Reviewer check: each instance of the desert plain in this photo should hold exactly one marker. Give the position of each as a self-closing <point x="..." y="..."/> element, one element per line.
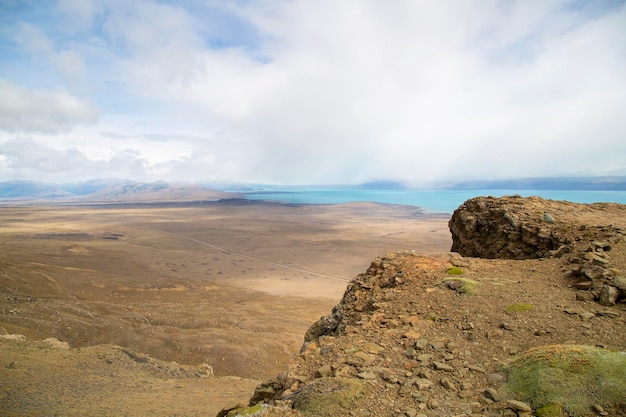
<point x="232" y="284"/>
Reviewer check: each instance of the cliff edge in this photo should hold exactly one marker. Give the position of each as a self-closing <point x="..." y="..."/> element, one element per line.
<point x="449" y="334"/>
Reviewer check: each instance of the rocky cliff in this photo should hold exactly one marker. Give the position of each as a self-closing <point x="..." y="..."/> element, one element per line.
<point x="531" y="228"/>
<point x="445" y="335"/>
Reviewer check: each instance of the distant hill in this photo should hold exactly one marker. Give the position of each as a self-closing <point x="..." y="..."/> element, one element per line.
<point x="31" y="189"/>
<point x="110" y="191"/>
<point x="612" y="183"/>
<point x="157" y="191"/>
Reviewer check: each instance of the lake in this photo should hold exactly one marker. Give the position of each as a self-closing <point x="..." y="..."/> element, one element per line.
<point x="430" y="200"/>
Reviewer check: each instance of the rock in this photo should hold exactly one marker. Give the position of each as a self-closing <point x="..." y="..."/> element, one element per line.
<point x="424" y="373"/>
<point x="593" y="272"/>
<point x="494" y="334"/>
<point x="373" y="348"/>
<point x="492" y="394"/>
<point x="388" y="375"/>
<point x="266" y="392"/>
<point x="423" y="384"/>
<point x="548" y="218"/>
<point x="334" y="395"/>
<point x="583" y="285"/>
<point x="509" y="326"/>
<point x="440" y="366"/>
<point x="596" y="259"/>
<point x="584" y="296"/>
<point x="324" y="326"/>
<point x="228" y="408"/>
<point x="602" y="245"/>
<point x="518" y="406"/>
<point x="324" y="371"/>
<point x="367" y="358"/>
<point x="586" y="316"/>
<point x="611" y="314"/>
<point x="15" y="337"/>
<point x="466" y="386"/>
<point x="424" y="357"/>
<point x="432" y="403"/>
<point x="608" y="295"/>
<point x="489" y="227"/>
<point x="411" y="334"/>
<point x="447" y="384"/>
<point x="356" y="362"/>
<point x="56" y="343"/>
<point x="495" y="379"/>
<point x="477" y="369"/>
<point x="619" y="282"/>
<point x="368" y="375"/>
<point x="421" y="343"/>
<point x="560" y="251"/>
<point x="438" y="345"/>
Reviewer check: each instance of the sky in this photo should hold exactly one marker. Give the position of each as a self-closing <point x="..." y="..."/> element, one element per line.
<point x="311" y="91"/>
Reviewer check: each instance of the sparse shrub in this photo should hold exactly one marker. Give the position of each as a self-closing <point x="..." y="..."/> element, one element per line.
<point x="517" y="307"/>
<point x="432" y="316"/>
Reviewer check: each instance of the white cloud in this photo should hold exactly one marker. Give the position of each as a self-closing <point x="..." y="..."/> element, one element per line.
<point x="326" y="91"/>
<point x="34" y="159"/>
<point x="24" y="110"/>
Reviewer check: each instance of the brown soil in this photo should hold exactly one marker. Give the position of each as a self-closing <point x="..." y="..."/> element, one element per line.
<point x="231" y="285"/>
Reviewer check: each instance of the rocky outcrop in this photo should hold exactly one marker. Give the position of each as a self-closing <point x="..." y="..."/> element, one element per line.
<point x="530" y="228"/>
<point x="409" y="339"/>
<point x="404" y="342"/>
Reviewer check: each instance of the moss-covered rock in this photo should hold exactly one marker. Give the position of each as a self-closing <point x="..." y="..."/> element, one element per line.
<point x="246" y="411"/>
<point x="571" y="376"/>
<point x="462" y="285"/>
<point x="329" y="397"/>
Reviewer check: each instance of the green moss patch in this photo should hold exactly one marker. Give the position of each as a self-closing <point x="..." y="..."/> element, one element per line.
<point x="550" y="410"/>
<point x="517" y="307"/>
<point x="571" y="376"/>
<point x="248" y="411"/>
<point x="453" y="270"/>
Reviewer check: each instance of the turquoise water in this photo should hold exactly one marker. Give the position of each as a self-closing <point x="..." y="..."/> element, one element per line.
<point x="433" y="201"/>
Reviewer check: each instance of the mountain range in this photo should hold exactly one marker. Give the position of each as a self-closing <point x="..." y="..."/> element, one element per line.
<point x="119" y="191"/>
<point x="110" y="191"/>
<point x="606" y="183"/>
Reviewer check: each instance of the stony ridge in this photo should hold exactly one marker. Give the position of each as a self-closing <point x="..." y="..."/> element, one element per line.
<point x="420" y="335"/>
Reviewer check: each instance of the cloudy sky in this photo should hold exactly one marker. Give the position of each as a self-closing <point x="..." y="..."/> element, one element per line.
<point x="311" y="91"/>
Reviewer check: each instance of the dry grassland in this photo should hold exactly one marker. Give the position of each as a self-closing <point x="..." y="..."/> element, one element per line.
<point x="234" y="285"/>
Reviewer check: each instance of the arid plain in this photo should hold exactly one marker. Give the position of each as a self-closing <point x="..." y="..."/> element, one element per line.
<point x="232" y="284"/>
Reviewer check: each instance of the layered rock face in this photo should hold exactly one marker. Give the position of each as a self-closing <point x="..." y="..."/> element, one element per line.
<point x="487" y="227"/>
<point x="531" y="228"/>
